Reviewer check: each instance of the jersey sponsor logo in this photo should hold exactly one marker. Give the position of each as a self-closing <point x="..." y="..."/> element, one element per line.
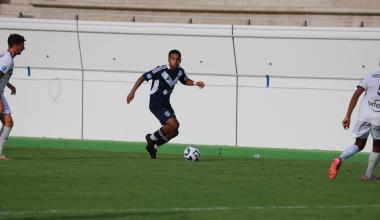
<point x="376" y="75"/>
<point x="374" y="105"/>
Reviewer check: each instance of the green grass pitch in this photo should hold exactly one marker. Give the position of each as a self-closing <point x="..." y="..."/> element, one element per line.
<point x="47" y="183"/>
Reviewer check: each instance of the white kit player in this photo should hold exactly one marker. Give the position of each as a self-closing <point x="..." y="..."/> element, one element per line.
<point x="368" y="122"/>
<point x="15" y="47"/>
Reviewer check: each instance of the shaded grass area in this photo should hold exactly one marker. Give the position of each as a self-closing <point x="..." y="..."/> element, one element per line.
<point x="52" y="183"/>
<point x="206" y="150"/>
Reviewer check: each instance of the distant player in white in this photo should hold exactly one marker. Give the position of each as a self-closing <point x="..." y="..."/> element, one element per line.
<point x="368" y="122"/>
<point x="15" y="47"/>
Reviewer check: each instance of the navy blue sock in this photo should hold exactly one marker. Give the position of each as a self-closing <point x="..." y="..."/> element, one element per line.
<point x="160" y="137"/>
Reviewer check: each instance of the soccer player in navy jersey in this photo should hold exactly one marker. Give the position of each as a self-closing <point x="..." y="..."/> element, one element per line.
<point x="164" y="79"/>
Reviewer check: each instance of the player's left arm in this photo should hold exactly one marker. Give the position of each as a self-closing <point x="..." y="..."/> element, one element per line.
<point x="12" y="88"/>
<point x="184" y="79"/>
<point x="190" y="82"/>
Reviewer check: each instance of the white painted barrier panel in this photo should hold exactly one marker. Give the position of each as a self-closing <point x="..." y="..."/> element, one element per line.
<point x="308" y="51"/>
<point x="48" y="104"/>
<point x="207" y="116"/>
<point x="291" y="112"/>
<point x="288" y="117"/>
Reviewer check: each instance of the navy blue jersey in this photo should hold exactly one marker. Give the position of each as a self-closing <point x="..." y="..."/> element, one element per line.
<point x="164" y="81"/>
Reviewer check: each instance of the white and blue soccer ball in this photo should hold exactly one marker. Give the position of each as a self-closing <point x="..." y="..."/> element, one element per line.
<point x="191" y="153"/>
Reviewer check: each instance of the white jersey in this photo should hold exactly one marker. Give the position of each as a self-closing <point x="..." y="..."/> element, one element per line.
<point x="6" y="67"/>
<point x="370" y="106"/>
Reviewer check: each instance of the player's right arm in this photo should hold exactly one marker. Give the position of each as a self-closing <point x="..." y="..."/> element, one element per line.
<point x="138" y="83"/>
<point x="1" y="100"/>
<point x="145" y="77"/>
<point x="354" y="100"/>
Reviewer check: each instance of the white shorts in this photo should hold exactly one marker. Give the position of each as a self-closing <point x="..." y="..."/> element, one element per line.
<point x="7" y="110"/>
<point x="362" y="130"/>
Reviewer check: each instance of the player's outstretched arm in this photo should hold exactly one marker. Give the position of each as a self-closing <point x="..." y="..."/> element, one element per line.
<point x="12" y="88"/>
<point x="354" y="100"/>
<point x="190" y="82"/>
<point x="131" y="94"/>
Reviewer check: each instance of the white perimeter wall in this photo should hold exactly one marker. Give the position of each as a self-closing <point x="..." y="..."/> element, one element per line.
<point x="312" y="75"/>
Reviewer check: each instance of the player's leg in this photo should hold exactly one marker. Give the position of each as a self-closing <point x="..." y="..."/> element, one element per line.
<point x="373" y="160"/>
<point x="172" y="135"/>
<point x="353" y="149"/>
<point x="347" y="153"/>
<point x="374" y="156"/>
<point x="7" y="121"/>
<point x="165" y="114"/>
<point x="166" y="132"/>
<point x="361" y="132"/>
<point x="170" y="127"/>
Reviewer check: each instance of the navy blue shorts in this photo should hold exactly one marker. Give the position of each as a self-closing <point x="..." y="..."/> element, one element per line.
<point x="162" y="111"/>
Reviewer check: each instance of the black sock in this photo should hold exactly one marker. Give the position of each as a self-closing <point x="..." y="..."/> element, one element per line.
<point x="160" y="138"/>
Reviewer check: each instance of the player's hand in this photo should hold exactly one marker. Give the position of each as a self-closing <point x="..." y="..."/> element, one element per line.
<point x="130" y="97"/>
<point x="346" y="123"/>
<point x="13" y="89"/>
<point x="200" y="84"/>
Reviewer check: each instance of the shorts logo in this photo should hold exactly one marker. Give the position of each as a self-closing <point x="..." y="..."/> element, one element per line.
<point x="3" y="68"/>
<point x="165" y="92"/>
<point x="167" y="113"/>
<point x="375" y="105"/>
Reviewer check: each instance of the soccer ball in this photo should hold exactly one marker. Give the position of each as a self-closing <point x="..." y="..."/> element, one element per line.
<point x="191" y="153"/>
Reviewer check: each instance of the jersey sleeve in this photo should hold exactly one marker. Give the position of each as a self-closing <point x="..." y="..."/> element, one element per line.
<point x="364" y="82"/>
<point x="183" y="77"/>
<point x="153" y="73"/>
<point x="148" y="75"/>
<point x="5" y="65"/>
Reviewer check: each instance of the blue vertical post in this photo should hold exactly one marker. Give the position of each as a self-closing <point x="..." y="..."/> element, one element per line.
<point x="268" y="80"/>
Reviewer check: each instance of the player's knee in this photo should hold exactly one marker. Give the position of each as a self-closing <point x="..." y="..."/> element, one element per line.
<point x="361" y="147"/>
<point x="376" y="146"/>
<point x="175" y="134"/>
<point x="174" y="126"/>
<point x="360" y="142"/>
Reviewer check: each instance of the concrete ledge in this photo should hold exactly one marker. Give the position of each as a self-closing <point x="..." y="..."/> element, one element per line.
<point x="231" y="9"/>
